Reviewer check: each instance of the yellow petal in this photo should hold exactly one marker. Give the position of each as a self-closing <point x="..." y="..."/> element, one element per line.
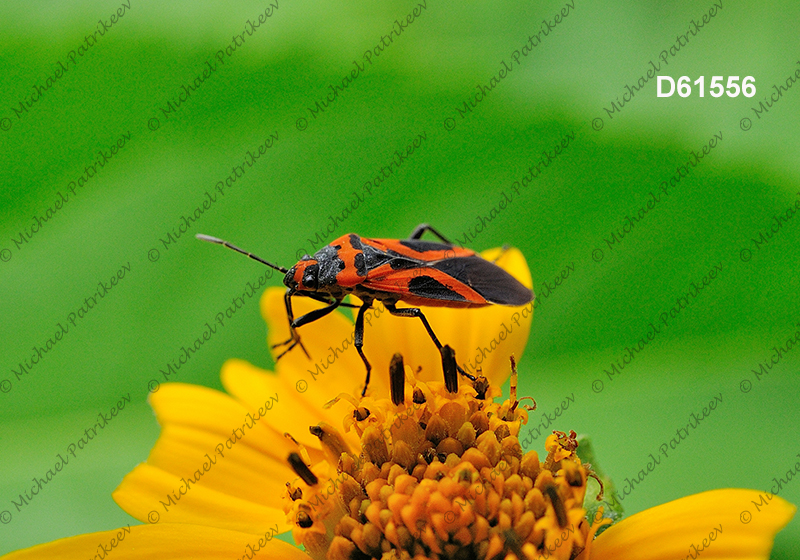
<point x="293" y="412"/>
<point x="152" y="495"/>
<point x="227" y="453"/>
<point x="165" y="542"/>
<point x="239" y="471"/>
<point x="219" y="415"/>
<point x="719" y="524"/>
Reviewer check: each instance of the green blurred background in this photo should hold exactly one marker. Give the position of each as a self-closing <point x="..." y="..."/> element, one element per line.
<point x="414" y="86"/>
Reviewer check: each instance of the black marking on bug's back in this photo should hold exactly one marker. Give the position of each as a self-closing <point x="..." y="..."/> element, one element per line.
<point x="373" y="258"/>
<point x="360" y="264"/>
<point x="421" y="246"/>
<point x="329" y="265"/>
<point x="431" y="288"/>
<point x="359" y="260"/>
<point x="401" y="262"/>
<point x="489" y="280"/>
<point x="355" y="242"/>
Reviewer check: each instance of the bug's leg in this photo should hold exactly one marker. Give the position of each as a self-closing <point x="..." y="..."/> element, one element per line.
<point x="346" y="304"/>
<point x="358" y="342"/>
<point x="325" y="298"/>
<point x="312" y="316"/>
<point x="294" y="339"/>
<point x="422" y="228"/>
<point x="416" y="312"/>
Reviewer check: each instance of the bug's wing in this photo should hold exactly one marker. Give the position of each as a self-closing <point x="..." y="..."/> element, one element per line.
<point x="418" y="249"/>
<point x="421" y="284"/>
<point x="493" y="283"/>
<point x="465" y="280"/>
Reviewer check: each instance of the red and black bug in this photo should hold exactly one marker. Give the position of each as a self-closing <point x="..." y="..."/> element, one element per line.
<point x="412" y="270"/>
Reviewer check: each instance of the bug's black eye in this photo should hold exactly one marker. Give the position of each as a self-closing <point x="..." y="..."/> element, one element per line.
<point x="310" y="277"/>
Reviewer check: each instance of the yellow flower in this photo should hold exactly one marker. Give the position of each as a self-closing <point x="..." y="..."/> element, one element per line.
<point x="244" y="489"/>
<point x="427" y="473"/>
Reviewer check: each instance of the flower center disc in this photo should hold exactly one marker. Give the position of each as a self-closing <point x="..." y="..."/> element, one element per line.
<point x="441" y="475"/>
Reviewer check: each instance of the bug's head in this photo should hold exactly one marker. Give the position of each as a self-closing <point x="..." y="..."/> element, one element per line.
<point x="304" y="276"/>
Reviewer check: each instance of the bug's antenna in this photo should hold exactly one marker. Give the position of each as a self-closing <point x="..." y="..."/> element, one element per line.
<point x="235" y="248"/>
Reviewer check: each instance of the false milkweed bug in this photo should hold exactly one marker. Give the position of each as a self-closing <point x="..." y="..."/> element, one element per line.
<point x="412" y="270"/>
